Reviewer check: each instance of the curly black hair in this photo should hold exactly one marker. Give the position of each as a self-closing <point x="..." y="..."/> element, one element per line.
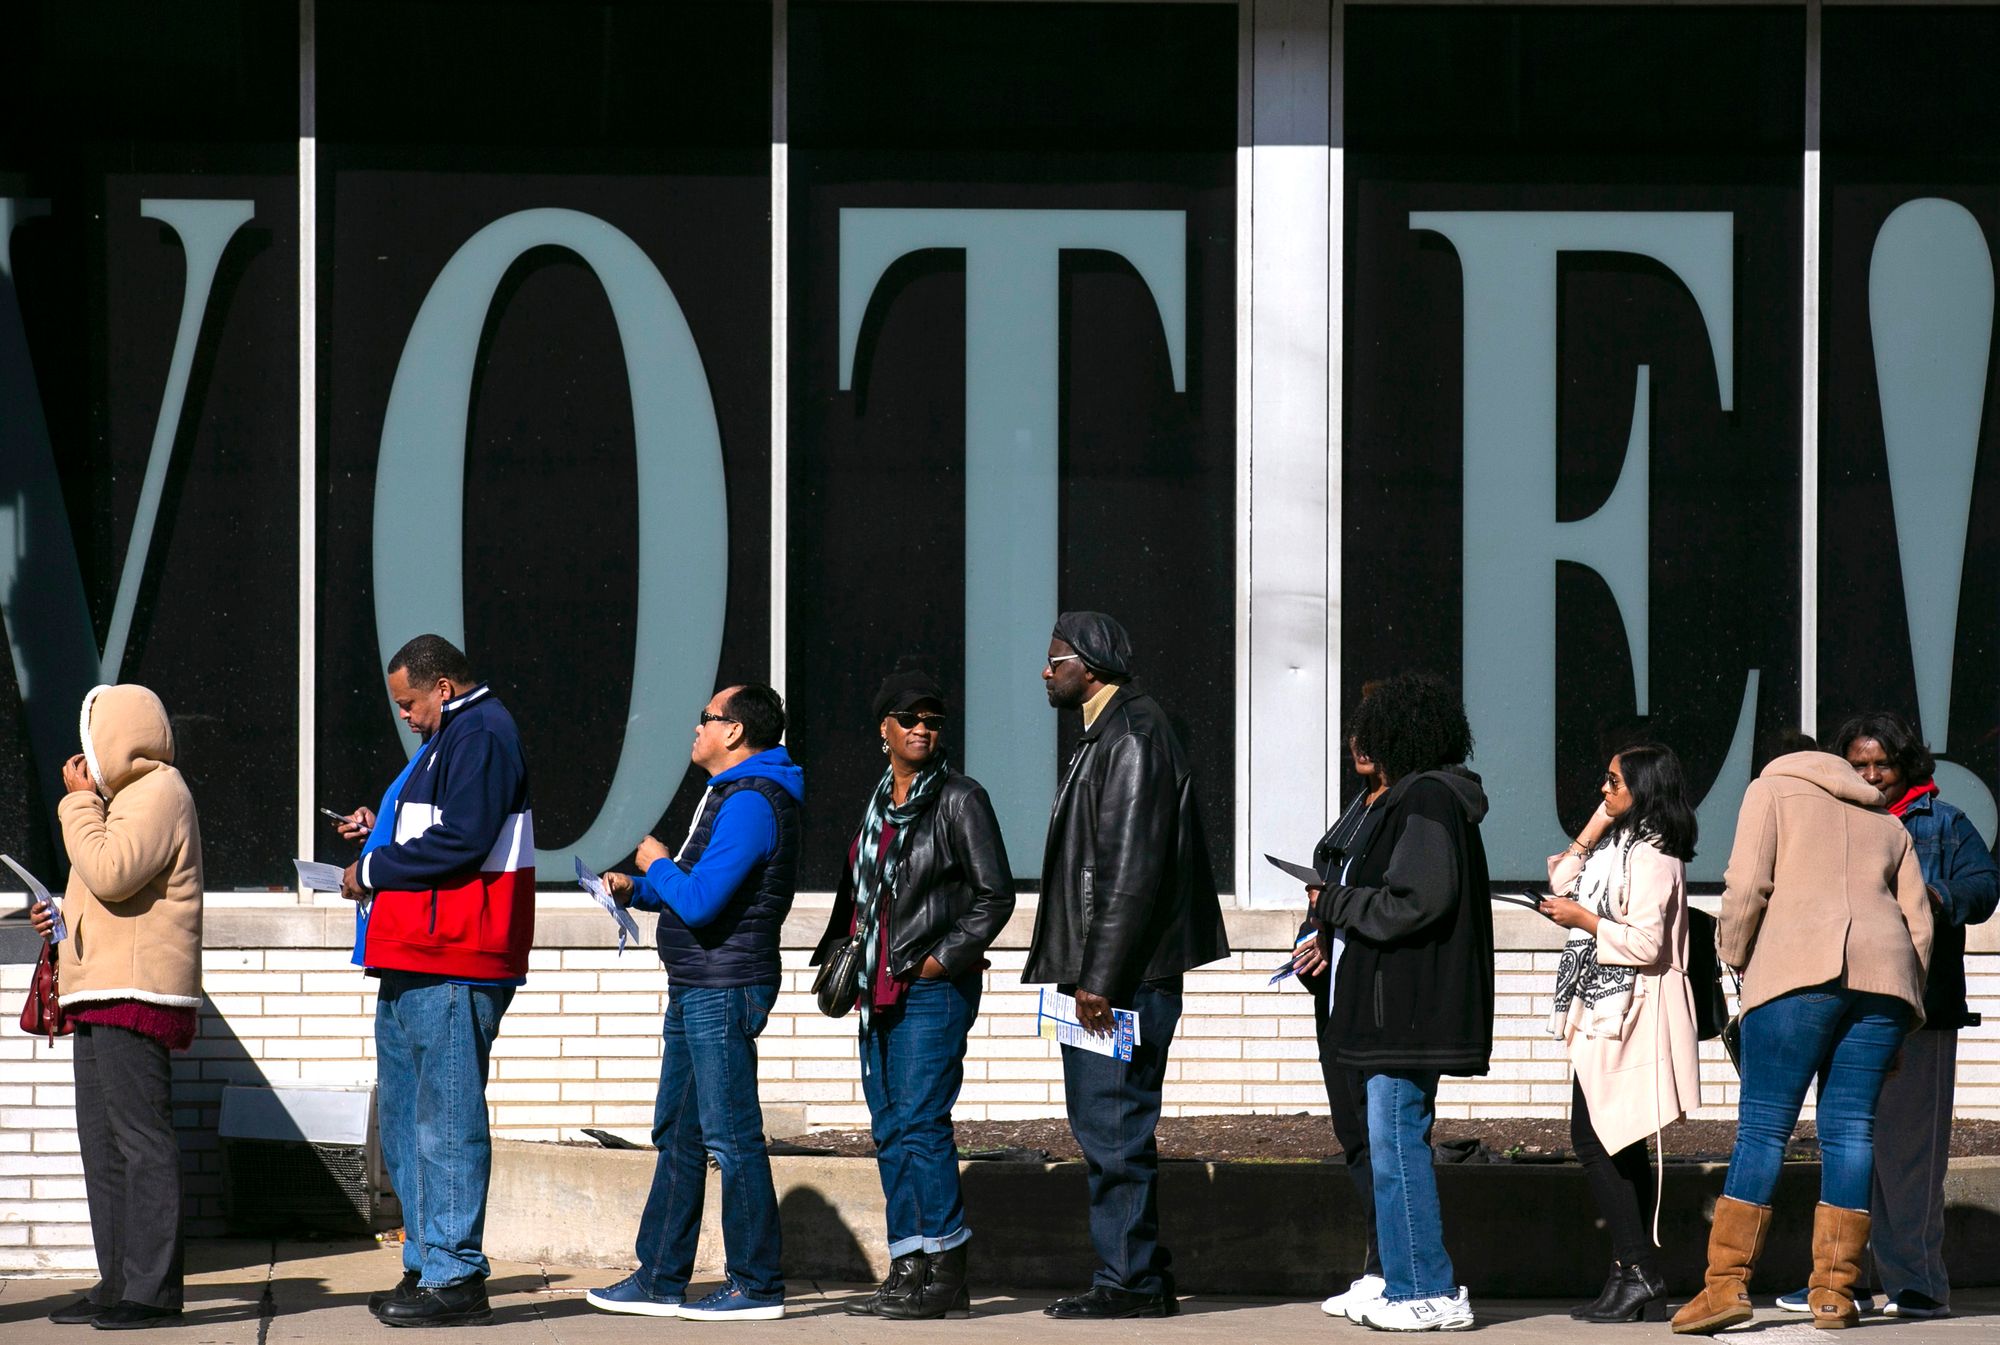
<point x="1412" y="722"/>
<point x="1913" y="760"/>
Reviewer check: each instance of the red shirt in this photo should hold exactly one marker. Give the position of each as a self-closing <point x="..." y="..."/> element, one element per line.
<point x="172" y="1028"/>
<point x="889" y="991"/>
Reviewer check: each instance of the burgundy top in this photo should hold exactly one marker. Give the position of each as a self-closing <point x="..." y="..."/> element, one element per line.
<point x="172" y="1028"/>
<point x="889" y="991"/>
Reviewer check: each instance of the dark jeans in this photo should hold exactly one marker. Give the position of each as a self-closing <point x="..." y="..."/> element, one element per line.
<point x="1114" y="1107"/>
<point x="433" y="1042"/>
<point x="708" y="1104"/>
<point x="1852" y="1037"/>
<point x="1618" y="1183"/>
<point x="912" y="1063"/>
<point x="131" y="1165"/>
<point x="1347" y="1099"/>
<point x="1402" y="1109"/>
<point x="1912" y="1141"/>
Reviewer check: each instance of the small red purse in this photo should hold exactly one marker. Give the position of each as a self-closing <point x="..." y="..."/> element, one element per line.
<point x="42" y="1015"/>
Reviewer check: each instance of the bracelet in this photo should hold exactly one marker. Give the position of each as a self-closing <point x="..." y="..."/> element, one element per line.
<point x="1578" y="846"/>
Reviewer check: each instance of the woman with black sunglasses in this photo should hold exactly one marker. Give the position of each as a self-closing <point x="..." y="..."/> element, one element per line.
<point x="1624" y="1006"/>
<point x="926" y="888"/>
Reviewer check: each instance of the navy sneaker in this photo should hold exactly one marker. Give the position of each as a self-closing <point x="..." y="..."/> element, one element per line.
<point x="1795" y="1301"/>
<point x="627" y="1296"/>
<point x="1911" y="1303"/>
<point x="730" y="1304"/>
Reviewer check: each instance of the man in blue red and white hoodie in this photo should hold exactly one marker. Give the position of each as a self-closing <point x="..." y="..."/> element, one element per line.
<point x="445" y="888"/>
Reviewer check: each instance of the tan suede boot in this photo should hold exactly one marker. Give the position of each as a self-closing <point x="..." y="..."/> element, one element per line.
<point x="1735" y="1241"/>
<point x="1839" y="1238"/>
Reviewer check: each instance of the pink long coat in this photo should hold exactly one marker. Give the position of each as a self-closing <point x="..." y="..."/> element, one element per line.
<point x="1648" y="1075"/>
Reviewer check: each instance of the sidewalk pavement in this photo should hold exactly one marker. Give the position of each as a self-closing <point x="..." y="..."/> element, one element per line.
<point x="258" y="1293"/>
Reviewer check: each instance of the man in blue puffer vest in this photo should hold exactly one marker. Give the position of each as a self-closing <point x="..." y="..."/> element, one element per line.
<point x="722" y="902"/>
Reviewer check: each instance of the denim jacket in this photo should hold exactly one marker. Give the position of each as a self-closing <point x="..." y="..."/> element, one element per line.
<point x="1960" y="870"/>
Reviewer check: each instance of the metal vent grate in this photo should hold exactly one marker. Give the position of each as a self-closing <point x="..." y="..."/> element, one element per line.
<point x="290" y="1186"/>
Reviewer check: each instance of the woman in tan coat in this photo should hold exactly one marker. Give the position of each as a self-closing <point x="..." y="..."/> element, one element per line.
<point x="130" y="978"/>
<point x="1825" y="913"/>
<point x="1624" y="1006"/>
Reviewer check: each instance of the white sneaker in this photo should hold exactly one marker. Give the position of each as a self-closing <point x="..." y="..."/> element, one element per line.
<point x="1368" y="1289"/>
<point x="1442" y="1313"/>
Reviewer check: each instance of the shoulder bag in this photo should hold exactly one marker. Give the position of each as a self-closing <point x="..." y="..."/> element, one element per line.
<point x="42" y="1015"/>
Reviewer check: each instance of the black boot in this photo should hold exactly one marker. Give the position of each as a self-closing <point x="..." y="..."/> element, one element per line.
<point x="941" y="1292"/>
<point x="462" y="1303"/>
<point x="1604" y="1295"/>
<point x="906" y="1275"/>
<point x="1640" y="1296"/>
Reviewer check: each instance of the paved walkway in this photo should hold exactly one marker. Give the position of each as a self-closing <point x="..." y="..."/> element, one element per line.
<point x="254" y="1293"/>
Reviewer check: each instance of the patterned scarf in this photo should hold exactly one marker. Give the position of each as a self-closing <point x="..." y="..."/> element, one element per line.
<point x="1606" y="992"/>
<point x="875" y="870"/>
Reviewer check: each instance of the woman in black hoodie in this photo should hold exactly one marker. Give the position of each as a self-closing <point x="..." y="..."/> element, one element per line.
<point x="1413" y="978"/>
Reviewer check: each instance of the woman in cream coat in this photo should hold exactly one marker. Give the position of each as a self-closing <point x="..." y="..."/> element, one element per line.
<point x="1624" y="1006"/>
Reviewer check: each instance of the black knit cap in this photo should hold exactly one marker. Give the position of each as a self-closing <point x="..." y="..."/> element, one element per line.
<point x="1102" y="641"/>
<point x="906" y="686"/>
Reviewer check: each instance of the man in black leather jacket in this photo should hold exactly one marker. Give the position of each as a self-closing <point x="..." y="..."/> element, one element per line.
<point x="1128" y="903"/>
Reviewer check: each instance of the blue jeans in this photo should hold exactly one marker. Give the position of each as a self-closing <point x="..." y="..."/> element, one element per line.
<point x="432" y="1042"/>
<point x="1850" y="1036"/>
<point x="708" y="1104"/>
<point x="1114" y="1108"/>
<point x="1408" y="1224"/>
<point x="912" y="1063"/>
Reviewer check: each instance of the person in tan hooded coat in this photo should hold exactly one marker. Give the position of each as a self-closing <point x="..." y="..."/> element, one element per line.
<point x="1825" y="913"/>
<point x="129" y="973"/>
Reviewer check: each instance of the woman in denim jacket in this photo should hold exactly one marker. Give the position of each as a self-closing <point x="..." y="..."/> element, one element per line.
<point x="1913" y="1119"/>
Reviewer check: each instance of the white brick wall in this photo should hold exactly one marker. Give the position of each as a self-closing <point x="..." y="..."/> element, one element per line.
<point x="580" y="1047"/>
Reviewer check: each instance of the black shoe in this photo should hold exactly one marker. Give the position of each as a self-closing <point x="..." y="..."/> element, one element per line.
<point x="939" y="1292"/>
<point x="405" y="1288"/>
<point x="462" y="1303"/>
<point x="77" y="1313"/>
<point x="1103" y="1303"/>
<point x="130" y="1316"/>
<point x="906" y="1274"/>
<point x="1640" y="1296"/>
<point x="1582" y="1313"/>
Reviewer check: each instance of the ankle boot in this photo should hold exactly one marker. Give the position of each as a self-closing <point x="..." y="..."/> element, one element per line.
<point x="1839" y="1238"/>
<point x="1638" y="1295"/>
<point x="941" y="1293"/>
<point x="1735" y="1240"/>
<point x="906" y="1273"/>
<point x="1583" y="1311"/>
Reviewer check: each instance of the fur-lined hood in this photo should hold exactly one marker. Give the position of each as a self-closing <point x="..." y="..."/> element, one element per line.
<point x="125" y="734"/>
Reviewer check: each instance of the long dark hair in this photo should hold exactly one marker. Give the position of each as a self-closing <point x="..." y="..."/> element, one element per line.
<point x="1913" y="761"/>
<point x="1660" y="809"/>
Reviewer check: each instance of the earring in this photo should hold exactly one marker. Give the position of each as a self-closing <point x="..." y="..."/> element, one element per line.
<point x="885" y="747"/>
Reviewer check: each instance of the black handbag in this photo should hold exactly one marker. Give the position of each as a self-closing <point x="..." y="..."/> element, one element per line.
<point x="834" y="987"/>
<point x="1704" y="970"/>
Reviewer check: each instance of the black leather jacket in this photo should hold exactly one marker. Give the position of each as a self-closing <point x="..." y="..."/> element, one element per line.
<point x="954" y="891"/>
<point x="1128" y="894"/>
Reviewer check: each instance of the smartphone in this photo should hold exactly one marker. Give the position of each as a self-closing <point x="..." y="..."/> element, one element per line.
<point x="341" y="818"/>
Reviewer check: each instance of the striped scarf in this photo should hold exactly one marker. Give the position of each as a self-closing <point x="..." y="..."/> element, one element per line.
<point x="875" y="870"/>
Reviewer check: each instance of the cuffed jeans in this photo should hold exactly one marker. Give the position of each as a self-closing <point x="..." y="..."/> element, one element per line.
<point x="131" y="1165"/>
<point x="1912" y="1141"/>
<point x="912" y="1064"/>
<point x="433" y="1040"/>
<point x="1114" y="1109"/>
<point x="708" y="1104"/>
<point x="1849" y="1039"/>
<point x="1402" y="1107"/>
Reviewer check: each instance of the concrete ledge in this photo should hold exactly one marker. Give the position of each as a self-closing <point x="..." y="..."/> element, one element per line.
<point x="1285" y="1229"/>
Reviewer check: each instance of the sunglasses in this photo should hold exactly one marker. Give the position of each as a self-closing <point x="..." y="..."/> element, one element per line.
<point x="707" y="719"/>
<point x="909" y="719"/>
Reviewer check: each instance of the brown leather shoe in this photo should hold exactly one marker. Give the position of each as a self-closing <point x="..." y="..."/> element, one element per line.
<point x="1735" y="1240"/>
<point x="1839" y="1238"/>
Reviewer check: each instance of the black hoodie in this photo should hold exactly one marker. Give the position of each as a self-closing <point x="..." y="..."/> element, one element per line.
<point x="1414" y="988"/>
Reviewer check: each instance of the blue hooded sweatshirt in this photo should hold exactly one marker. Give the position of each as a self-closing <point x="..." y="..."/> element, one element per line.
<point x="722" y="900"/>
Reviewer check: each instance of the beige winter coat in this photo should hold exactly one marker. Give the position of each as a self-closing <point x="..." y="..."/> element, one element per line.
<point x="1648" y="1076"/>
<point x="133" y="903"/>
<point x="1823" y="887"/>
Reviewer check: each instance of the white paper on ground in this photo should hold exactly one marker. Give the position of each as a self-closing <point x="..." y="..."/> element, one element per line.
<point x="1056" y="1020"/>
<point x="628" y="928"/>
<point x="39" y="893"/>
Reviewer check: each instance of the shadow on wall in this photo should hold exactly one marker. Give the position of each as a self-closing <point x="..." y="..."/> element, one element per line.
<point x="216" y="1059"/>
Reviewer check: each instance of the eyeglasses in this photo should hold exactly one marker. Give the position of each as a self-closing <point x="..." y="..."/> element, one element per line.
<point x="1061" y="658"/>
<point x="707" y="719"/>
<point x="909" y="719"/>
